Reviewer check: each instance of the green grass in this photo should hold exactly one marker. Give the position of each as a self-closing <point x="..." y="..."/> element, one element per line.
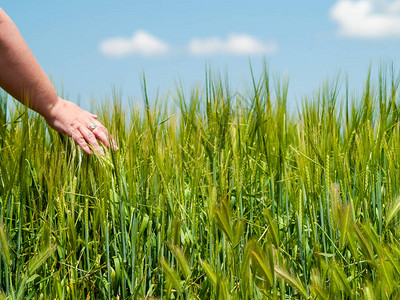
<point x="225" y="195"/>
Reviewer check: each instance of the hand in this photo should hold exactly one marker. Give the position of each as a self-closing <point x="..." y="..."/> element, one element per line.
<point x="69" y="119"/>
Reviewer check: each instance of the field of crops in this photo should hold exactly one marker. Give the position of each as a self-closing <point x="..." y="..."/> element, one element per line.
<point x="222" y="195"/>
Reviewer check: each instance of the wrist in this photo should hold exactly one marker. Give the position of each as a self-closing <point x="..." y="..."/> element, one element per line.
<point x="49" y="110"/>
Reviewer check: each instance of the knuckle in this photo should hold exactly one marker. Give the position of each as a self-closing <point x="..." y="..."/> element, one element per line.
<point x="92" y="139"/>
<point x="80" y="140"/>
<point x="105" y="130"/>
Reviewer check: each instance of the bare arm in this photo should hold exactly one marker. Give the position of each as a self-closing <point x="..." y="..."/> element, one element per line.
<point x="21" y="74"/>
<point x="22" y="77"/>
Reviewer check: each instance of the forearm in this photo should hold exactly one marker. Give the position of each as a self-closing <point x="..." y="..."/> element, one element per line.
<point x="20" y="74"/>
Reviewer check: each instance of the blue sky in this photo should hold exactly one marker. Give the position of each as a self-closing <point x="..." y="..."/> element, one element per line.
<point x="89" y="47"/>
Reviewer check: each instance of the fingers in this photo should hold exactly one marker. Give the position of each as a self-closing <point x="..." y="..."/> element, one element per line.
<point x="101" y="134"/>
<point x="91" y="139"/>
<point x="81" y="141"/>
<point x="69" y="119"/>
<point x="104" y="137"/>
<point x="84" y="137"/>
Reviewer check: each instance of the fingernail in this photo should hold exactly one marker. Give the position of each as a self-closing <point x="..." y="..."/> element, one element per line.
<point x="114" y="145"/>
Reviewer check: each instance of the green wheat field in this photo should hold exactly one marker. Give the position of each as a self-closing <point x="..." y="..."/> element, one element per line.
<point x="220" y="195"/>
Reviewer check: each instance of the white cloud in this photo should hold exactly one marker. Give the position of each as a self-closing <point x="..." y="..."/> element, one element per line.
<point x="367" y="18"/>
<point x="236" y="44"/>
<point x="141" y="43"/>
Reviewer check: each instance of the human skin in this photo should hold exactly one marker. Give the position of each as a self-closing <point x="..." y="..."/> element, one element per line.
<point x="23" y="78"/>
